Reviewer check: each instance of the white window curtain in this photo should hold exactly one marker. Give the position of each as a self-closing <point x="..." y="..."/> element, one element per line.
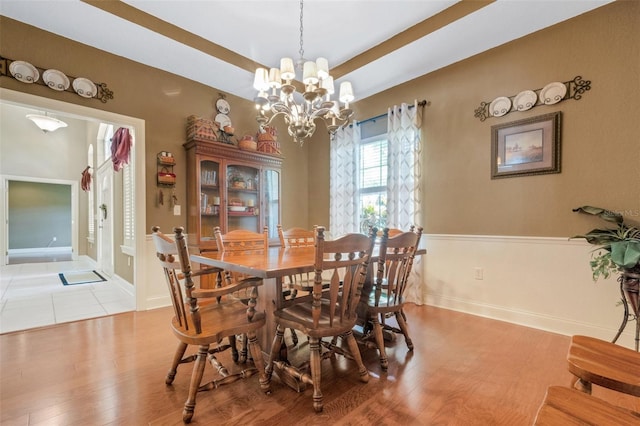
<point x="404" y="182"/>
<point x="343" y="214"/>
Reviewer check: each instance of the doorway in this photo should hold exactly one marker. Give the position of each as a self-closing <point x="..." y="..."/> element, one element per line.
<point x="92" y="116"/>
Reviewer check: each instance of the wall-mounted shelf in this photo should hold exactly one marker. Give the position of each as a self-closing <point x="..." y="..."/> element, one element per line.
<point x="574" y="90"/>
<point x="166" y="176"/>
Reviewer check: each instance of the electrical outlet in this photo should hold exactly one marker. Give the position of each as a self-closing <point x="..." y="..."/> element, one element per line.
<point x="479" y="273"/>
<point x="176" y="210"/>
<point x="55" y="239"/>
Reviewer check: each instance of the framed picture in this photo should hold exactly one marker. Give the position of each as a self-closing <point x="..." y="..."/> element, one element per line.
<point x="526" y="147"/>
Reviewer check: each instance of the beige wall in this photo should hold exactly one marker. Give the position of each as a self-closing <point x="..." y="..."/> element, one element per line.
<point x="600" y="142"/>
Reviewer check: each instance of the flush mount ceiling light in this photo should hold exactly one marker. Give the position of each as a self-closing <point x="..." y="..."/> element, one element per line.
<point x="316" y="100"/>
<point x="46" y="123"/>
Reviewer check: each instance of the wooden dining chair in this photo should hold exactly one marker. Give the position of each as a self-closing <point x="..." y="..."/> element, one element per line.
<point x="326" y="313"/>
<point x="237" y="242"/>
<point x="595" y="361"/>
<point x="386" y="298"/>
<point x="204" y="318"/>
<point x="296" y="237"/>
<point x="303" y="282"/>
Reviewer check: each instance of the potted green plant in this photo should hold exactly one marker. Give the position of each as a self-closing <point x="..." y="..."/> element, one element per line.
<point x="618" y="248"/>
<point x="617" y="251"/>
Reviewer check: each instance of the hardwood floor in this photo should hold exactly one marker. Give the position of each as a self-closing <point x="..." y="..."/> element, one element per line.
<point x="465" y="370"/>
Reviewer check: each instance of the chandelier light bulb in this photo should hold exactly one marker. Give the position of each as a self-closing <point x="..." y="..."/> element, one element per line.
<point x="310" y="75"/>
<point x="322" y="66"/>
<point x="274" y="78"/>
<point x="261" y="80"/>
<point x="346" y="92"/>
<point x="287" y="71"/>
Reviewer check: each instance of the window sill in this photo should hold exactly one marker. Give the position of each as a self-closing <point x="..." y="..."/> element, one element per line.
<point x="129" y="251"/>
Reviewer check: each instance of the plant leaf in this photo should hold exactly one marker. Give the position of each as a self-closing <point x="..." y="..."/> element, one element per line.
<point x="625" y="254"/>
<point x="605" y="214"/>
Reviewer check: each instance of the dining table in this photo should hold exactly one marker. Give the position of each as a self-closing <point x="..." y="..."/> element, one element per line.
<point x="273" y="265"/>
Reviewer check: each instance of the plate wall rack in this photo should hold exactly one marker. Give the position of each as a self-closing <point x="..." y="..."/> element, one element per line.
<point x="575" y="89"/>
<point x="103" y="94"/>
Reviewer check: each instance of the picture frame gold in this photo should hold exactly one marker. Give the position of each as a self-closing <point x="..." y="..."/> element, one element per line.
<point x="526" y="147"/>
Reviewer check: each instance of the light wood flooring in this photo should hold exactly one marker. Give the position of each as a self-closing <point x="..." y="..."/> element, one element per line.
<point x="465" y="370"/>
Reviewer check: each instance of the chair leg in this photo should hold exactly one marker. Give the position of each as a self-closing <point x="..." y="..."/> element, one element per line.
<point x="405" y="330"/>
<point x="377" y="334"/>
<point x="177" y="358"/>
<point x="243" y="351"/>
<point x="196" y="378"/>
<point x="274" y="354"/>
<point x="234" y="348"/>
<point x="294" y="337"/>
<point x="258" y="361"/>
<point x="583" y="386"/>
<point x="355" y="353"/>
<point x="316" y="372"/>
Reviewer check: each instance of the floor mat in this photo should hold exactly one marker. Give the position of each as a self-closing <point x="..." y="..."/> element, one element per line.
<point x="80" y="277"/>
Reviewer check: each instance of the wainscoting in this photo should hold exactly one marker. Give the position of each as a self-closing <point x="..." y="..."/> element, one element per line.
<point x="543" y="283"/>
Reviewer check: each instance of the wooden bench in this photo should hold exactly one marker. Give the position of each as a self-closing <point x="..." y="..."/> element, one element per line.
<point x="595" y="361"/>
<point x="565" y="406"/>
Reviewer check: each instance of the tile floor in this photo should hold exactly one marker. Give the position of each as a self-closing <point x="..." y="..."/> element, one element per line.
<point x="32" y="295"/>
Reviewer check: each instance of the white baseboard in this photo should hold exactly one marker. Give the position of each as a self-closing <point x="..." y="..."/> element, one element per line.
<point x="36" y="250"/>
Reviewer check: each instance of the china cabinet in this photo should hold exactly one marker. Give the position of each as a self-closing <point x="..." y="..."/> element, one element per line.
<point x="232" y="189"/>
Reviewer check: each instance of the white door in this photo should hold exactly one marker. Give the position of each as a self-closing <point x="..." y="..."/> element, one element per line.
<point x="104" y="212"/>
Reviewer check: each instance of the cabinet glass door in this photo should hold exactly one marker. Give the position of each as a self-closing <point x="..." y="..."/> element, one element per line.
<point x="271" y="207"/>
<point x="209" y="199"/>
<point x="243" y="206"/>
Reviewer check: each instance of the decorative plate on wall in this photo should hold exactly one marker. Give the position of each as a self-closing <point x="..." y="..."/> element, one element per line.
<point x="223" y="106"/>
<point x="223" y="120"/>
<point x="56" y="80"/>
<point x="500" y="106"/>
<point x="553" y="93"/>
<point x="84" y="87"/>
<point x="525" y="100"/>
<point x="24" y="71"/>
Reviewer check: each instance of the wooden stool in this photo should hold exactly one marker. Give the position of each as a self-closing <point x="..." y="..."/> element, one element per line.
<point x="564" y="406"/>
<point x="595" y="361"/>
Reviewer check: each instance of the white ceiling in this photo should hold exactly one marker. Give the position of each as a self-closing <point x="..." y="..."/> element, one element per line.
<point x="188" y="34"/>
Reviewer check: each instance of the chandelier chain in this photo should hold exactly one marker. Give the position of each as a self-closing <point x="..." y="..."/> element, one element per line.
<point x="301" y="33"/>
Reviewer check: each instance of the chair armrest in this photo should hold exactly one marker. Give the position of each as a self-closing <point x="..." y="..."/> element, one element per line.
<point x="206" y="271"/>
<point x="224" y="290"/>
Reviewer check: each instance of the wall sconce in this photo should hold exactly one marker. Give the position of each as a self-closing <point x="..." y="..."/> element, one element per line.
<point x="46" y="123"/>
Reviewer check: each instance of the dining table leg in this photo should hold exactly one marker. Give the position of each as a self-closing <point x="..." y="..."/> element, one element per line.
<point x="270" y="298"/>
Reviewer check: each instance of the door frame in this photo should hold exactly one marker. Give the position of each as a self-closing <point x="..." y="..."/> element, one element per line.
<point x="96" y="115"/>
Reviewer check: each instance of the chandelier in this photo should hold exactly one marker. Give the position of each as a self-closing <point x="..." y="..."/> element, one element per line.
<point x="277" y="95"/>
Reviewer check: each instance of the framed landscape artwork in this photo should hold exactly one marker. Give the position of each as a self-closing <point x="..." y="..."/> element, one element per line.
<point x="526" y="147"/>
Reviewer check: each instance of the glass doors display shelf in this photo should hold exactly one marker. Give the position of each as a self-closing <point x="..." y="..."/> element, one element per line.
<point x="232" y="189"/>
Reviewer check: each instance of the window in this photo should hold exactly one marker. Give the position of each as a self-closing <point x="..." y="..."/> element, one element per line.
<point x="372" y="182"/>
<point x="128" y="203"/>
<point x="91" y="224"/>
